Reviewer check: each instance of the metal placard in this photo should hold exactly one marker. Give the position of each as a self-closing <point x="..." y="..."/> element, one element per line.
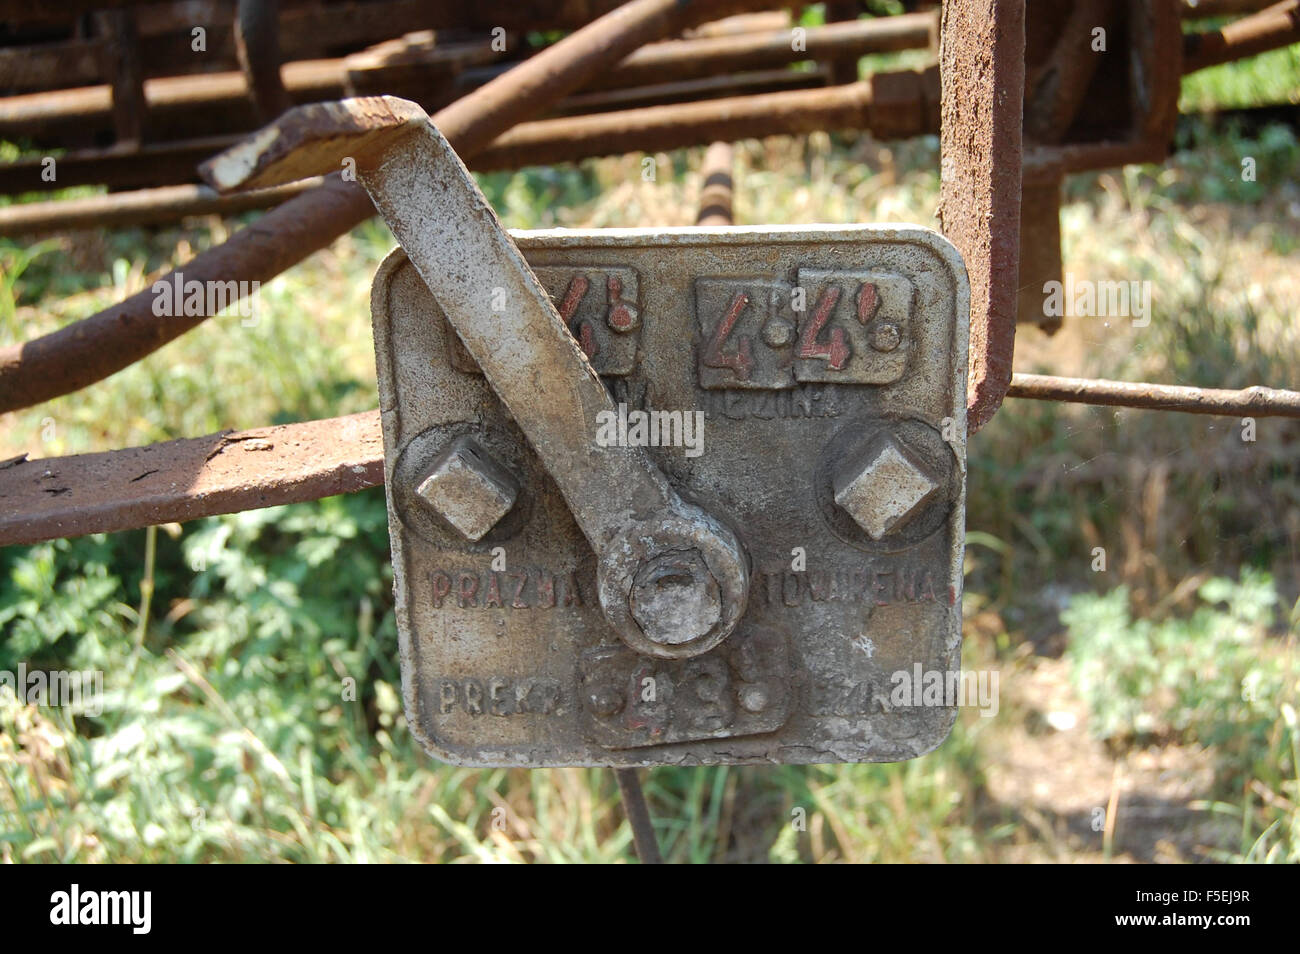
<point x="806" y="386"/>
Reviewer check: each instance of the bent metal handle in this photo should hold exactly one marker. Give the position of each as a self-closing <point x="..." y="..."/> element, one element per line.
<point x="673" y="580"/>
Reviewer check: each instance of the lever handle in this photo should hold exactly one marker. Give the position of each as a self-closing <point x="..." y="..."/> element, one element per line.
<point x="673" y="580"/>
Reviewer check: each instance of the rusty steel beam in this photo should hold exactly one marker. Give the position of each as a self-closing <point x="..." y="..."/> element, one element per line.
<point x="1253" y="401"/>
<point x="674" y="60"/>
<point x="1204" y="9"/>
<point x="220" y="102"/>
<point x="309" y="33"/>
<point x="142" y="207"/>
<point x="749" y="51"/>
<point x="909" y="109"/>
<point x="168" y="164"/>
<point x="124" y="62"/>
<point x="150" y="165"/>
<point x="482" y="14"/>
<point x="189" y="478"/>
<point x="693" y="91"/>
<point x="982" y="63"/>
<point x="717" y="186"/>
<point x="44" y="499"/>
<point x="91" y="349"/>
<point x="257" y="45"/>
<point x="1273" y="27"/>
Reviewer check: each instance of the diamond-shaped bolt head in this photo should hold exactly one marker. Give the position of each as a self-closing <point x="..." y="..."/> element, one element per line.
<point x="468" y="488"/>
<point x="883" y="489"/>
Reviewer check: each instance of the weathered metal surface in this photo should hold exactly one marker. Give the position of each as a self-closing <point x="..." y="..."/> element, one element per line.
<point x="982" y="62"/>
<point x="635" y="522"/>
<point x="519" y="666"/>
<point x="1087" y="111"/>
<point x="716" y="189"/>
<point x="1257" y="401"/>
<point x="224" y="102"/>
<point x="694" y="90"/>
<point x="895" y="104"/>
<point x="142" y="207"/>
<point x="764" y="49"/>
<point x="42" y="499"/>
<point x="671" y="578"/>
<point x="1040" y="244"/>
<point x="123" y="62"/>
<point x="1275" y="26"/>
<point x="317" y="459"/>
<point x="468" y="489"/>
<point x="93" y="348"/>
<point x="257" y="46"/>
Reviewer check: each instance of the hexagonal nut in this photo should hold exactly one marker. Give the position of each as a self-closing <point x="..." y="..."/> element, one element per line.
<point x="468" y="488"/>
<point x="883" y="488"/>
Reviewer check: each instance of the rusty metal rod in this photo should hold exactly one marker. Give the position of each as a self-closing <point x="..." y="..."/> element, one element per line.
<point x="560" y="140"/>
<point x="482" y="14"/>
<point x="707" y="56"/>
<point x="638" y="816"/>
<point x="1204" y="9"/>
<point x="148" y="166"/>
<point x="692" y="90"/>
<point x="45" y="499"/>
<point x="174" y="163"/>
<point x="716" y="190"/>
<point x="91" y="349"/>
<point x="1254" y="401"/>
<point x="141" y="207"/>
<point x="731" y="119"/>
<point x="1273" y="27"/>
<point x="217" y="103"/>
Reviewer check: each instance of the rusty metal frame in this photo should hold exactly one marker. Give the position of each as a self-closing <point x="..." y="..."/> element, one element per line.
<point x="93" y="348"/>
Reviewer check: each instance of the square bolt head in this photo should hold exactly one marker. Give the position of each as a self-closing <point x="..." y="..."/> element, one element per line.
<point x="883" y="489"/>
<point x="469" y="489"/>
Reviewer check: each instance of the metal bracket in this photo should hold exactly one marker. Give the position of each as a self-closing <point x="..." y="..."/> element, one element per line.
<point x="570" y="587"/>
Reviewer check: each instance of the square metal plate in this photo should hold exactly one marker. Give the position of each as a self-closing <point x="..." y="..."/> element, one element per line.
<point x="828" y="365"/>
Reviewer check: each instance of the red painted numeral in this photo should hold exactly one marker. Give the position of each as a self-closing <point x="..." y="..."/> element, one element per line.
<point x="741" y="362"/>
<point x="868" y="302"/>
<point x="578" y="286"/>
<point x="836" y="353"/>
<point x="620" y="317"/>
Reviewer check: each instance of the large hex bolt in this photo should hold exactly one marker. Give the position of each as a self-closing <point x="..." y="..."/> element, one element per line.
<point x="883" y="488"/>
<point x="468" y="488"/>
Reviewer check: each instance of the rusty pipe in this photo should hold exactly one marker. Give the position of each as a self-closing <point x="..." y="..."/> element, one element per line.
<point x="91" y="349"/>
<point x="910" y="109"/>
<point x="716" y="190"/>
<point x="1273" y="27"/>
<point x="1254" y="401"/>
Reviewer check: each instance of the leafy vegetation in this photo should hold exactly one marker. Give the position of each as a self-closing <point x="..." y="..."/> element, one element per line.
<point x="1220" y="678"/>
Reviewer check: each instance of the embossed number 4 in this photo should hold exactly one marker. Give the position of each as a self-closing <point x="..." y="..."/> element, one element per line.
<point x="741" y="361"/>
<point x="836" y="351"/>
